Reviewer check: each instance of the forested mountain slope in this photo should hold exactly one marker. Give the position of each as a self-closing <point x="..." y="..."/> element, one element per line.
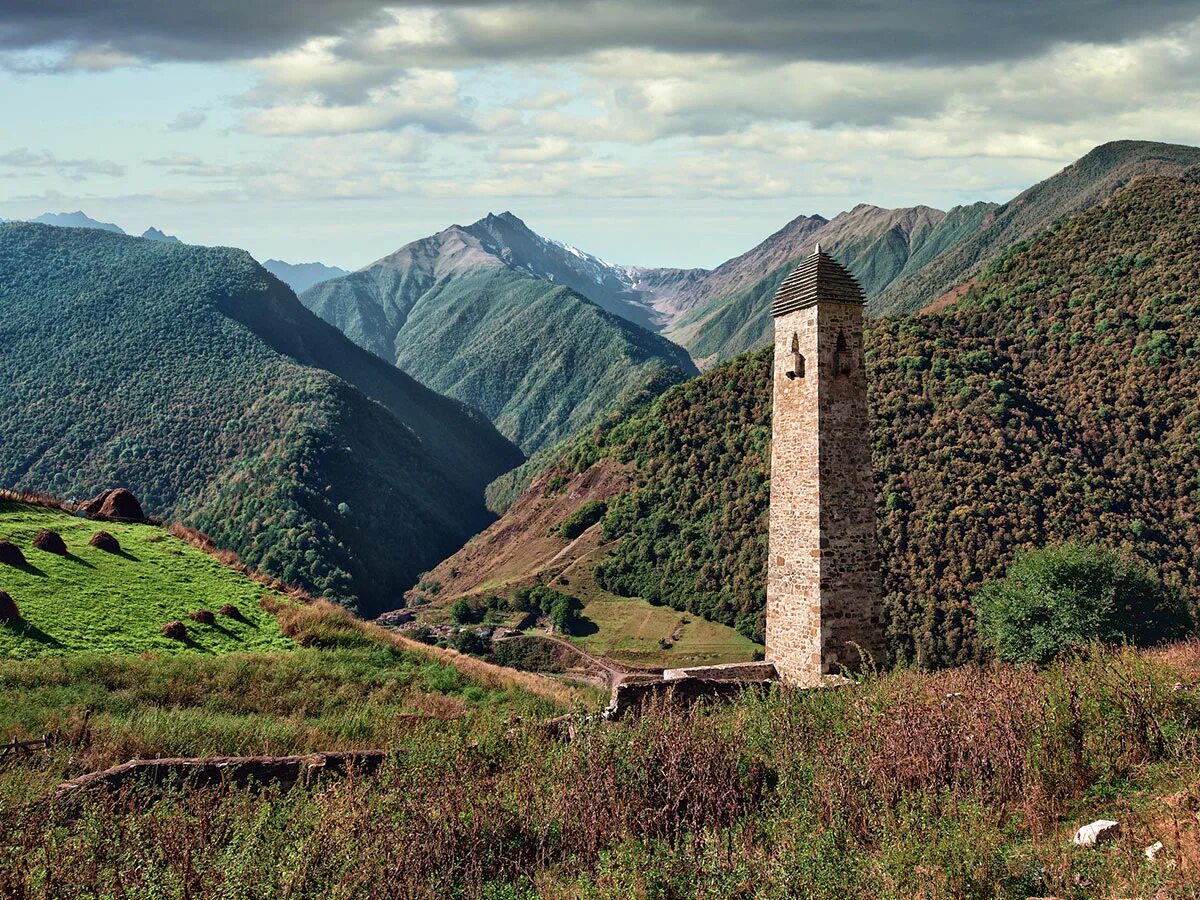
<point x="1080" y="186"/>
<point x="728" y="313"/>
<point x="196" y="379"/>
<point x="480" y="322"/>
<point x="1059" y="399"/>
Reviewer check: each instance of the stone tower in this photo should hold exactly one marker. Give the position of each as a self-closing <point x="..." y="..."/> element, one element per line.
<point x="823" y="592"/>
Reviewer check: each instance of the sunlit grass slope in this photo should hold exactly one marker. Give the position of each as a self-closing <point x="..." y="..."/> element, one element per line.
<point x="91" y="600"/>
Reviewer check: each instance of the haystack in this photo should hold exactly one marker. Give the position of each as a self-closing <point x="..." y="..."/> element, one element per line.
<point x="116" y="505"/>
<point x="50" y="542"/>
<point x="10" y="554"/>
<point x="102" y="540"/>
<point x="231" y="612"/>
<point x="176" y="631"/>
<point x="203" y="616"/>
<point x="8" y="609"/>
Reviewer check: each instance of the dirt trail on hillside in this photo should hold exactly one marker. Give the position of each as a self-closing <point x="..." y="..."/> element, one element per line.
<point x="525" y="542"/>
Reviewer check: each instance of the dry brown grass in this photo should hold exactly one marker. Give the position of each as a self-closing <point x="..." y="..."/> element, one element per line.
<point x="320" y="622"/>
<point x="34" y="499"/>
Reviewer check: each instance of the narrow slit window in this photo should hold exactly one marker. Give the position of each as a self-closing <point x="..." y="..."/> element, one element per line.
<point x="842" y="364"/>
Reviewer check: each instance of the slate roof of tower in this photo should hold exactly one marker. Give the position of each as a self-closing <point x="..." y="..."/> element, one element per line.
<point x="820" y="277"/>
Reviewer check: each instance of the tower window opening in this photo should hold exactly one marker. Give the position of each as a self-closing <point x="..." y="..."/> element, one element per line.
<point x="842" y="364"/>
<point x="797" y="369"/>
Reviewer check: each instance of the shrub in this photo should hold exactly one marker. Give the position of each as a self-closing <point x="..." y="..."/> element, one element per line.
<point x="582" y="519"/>
<point x="461" y="613"/>
<point x="1071" y="595"/>
<point x="8" y="609"/>
<point x="10" y="554"/>
<point x="176" y="631"/>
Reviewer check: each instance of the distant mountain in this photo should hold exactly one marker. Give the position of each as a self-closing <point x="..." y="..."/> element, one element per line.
<point x="301" y="276"/>
<point x="487" y="313"/>
<point x="1082" y="185"/>
<point x="626" y="291"/>
<point x="1057" y="400"/>
<point x="195" y="378"/>
<point x="728" y="313"/>
<point x="75" y="220"/>
<point x="153" y="234"/>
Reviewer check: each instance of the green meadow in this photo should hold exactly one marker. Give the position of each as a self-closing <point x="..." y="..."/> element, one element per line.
<point x="91" y="600"/>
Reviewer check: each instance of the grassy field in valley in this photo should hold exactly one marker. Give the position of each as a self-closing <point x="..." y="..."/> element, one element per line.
<point x="92" y="600"/>
<point x="632" y="631"/>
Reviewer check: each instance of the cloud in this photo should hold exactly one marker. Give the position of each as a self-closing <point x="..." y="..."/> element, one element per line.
<point x="188" y="120"/>
<point x="457" y="32"/>
<point x="45" y="161"/>
<point x="544" y="150"/>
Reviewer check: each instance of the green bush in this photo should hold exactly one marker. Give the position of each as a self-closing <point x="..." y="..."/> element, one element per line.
<point x="1071" y="595"/>
<point x="582" y="519"/>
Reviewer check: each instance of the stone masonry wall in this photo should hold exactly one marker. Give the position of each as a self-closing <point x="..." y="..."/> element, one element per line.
<point x="823" y="593"/>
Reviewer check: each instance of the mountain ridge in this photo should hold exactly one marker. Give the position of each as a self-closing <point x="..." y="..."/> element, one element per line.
<point x="493" y="324"/>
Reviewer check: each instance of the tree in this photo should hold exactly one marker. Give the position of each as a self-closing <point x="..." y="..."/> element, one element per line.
<point x="461" y="612"/>
<point x="1070" y="595"/>
<point x="562" y="614"/>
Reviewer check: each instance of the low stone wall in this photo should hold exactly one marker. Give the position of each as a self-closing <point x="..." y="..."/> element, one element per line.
<point x="746" y="671"/>
<point x="285" y="771"/>
<point x="629" y="696"/>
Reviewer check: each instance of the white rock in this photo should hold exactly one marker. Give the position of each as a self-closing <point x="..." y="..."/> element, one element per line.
<point x="1099" y="832"/>
<point x="1153" y="850"/>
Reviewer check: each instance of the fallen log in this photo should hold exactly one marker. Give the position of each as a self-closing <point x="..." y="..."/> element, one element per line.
<point x="241" y="771"/>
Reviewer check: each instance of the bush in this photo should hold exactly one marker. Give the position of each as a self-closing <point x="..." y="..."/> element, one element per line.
<point x="582" y="519"/>
<point x="1071" y="595"/>
<point x="461" y="612"/>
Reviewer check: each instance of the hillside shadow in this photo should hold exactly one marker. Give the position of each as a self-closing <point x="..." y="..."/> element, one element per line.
<point x="78" y="559"/>
<point x="29" y="569"/>
<point x="31" y="632"/>
<point x="124" y="554"/>
<point x="583" y="627"/>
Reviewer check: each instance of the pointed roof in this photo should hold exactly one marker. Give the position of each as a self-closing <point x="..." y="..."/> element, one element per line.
<point x="819" y="278"/>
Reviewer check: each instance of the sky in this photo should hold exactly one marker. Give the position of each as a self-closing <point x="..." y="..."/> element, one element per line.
<point x="649" y="133"/>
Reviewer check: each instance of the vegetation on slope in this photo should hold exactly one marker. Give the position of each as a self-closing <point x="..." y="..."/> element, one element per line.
<point x="196" y="379"/>
<point x="1059" y="400"/>
<point x="1085" y="183"/>
<point x="103" y="602"/>
<point x="535" y="357"/>
<point x="964" y="784"/>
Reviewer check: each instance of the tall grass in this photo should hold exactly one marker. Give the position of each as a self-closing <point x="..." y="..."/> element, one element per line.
<point x="962" y="784"/>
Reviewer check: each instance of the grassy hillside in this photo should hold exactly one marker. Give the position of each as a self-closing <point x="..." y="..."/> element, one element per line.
<point x="196" y="379"/>
<point x="96" y="601"/>
<point x="1060" y="399"/>
<point x="965" y="784"/>
<point x="876" y="245"/>
<point x="1080" y="186"/>
<point x="538" y="359"/>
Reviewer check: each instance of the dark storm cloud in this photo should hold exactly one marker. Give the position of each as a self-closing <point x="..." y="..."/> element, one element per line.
<point x="177" y="29"/>
<point x="919" y="31"/>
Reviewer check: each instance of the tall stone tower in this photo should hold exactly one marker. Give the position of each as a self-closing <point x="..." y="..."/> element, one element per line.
<point x="823" y="591"/>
